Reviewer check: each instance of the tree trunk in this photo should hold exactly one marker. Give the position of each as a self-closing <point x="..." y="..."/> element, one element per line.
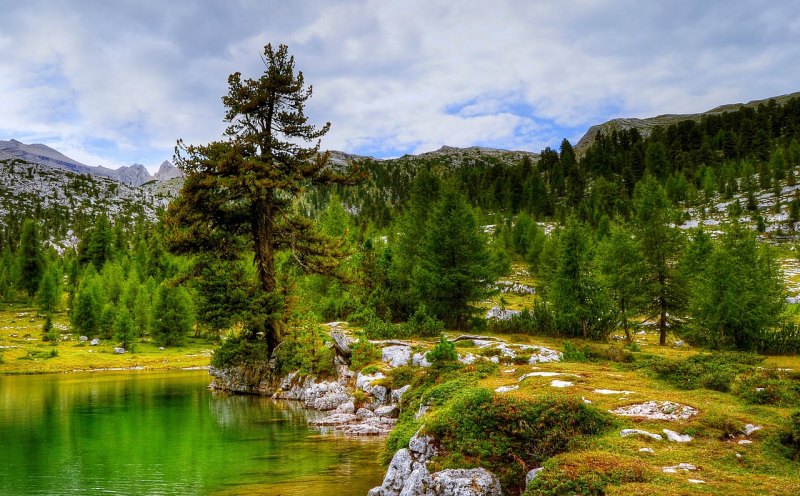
<point x="662" y="322"/>
<point x="625" y="322"/>
<point x="263" y="237"/>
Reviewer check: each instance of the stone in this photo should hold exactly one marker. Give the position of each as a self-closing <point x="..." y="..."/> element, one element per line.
<point x="677" y="438"/>
<point x="420" y="360"/>
<point x="348" y="407"/>
<point x="466" y="482"/>
<point x="506" y="389"/>
<point x="83" y="339"/>
<point x="380" y="393"/>
<point x="119" y="351"/>
<point x="335" y="419"/>
<point x="422" y="446"/>
<point x="539" y="374"/>
<point x="364" y="413"/>
<point x="331" y="401"/>
<point x="341" y="344"/>
<point x="612" y="391"/>
<point x="646" y="450"/>
<point x="467" y="359"/>
<point x="94" y="342"/>
<point x="639" y="432"/>
<point x="657" y="410"/>
<point x="396" y="356"/>
<point x="750" y="428"/>
<point x="745" y="441"/>
<point x="497" y="313"/>
<point x="543" y="355"/>
<point x="560" y="384"/>
<point x="397" y="394"/>
<point x="363" y="381"/>
<point x="695" y="481"/>
<point x="389" y="411"/>
<point x="532" y="475"/>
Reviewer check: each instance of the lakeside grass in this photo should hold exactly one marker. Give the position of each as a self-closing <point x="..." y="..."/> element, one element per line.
<point x="22" y="350"/>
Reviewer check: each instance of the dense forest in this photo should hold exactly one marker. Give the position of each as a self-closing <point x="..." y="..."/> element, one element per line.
<point x="266" y="236"/>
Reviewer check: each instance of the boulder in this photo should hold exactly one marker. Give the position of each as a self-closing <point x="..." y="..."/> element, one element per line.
<point x="677" y="438"/>
<point x="396" y="356"/>
<point x="639" y="432"/>
<point x="532" y="475"/>
<point x="420" y="360"/>
<point x="506" y="389"/>
<point x="397" y="394"/>
<point x="389" y="411"/>
<point x="750" y="428"/>
<point x="119" y="351"/>
<point x="341" y="343"/>
<point x="467" y="359"/>
<point x="94" y="342"/>
<point x="364" y="413"/>
<point x="466" y="482"/>
<point x="657" y="410"/>
<point x="83" y="339"/>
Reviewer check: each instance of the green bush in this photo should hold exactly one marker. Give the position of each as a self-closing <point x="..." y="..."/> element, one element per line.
<point x="715" y="371"/>
<point x="506" y="435"/>
<point x="239" y="351"/>
<point x="443" y="353"/>
<point x="423" y="324"/>
<point x="307" y="349"/>
<point x="571" y="353"/>
<point x="790" y="436"/>
<point x="364" y="353"/>
<point x="767" y="387"/>
<point x="537" y="321"/>
<point x="785" y="340"/>
<point x="587" y="474"/>
<point x="379" y="329"/>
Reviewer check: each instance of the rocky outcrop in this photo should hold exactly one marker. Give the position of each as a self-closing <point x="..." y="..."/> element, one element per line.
<point x="408" y="475"/>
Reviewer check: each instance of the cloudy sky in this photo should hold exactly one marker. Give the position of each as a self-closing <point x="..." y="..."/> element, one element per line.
<point x="117" y="82"/>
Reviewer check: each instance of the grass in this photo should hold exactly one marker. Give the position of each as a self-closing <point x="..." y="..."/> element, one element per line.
<point x="24" y="352"/>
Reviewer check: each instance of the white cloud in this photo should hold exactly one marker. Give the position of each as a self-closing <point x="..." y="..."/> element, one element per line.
<point x="120" y="82"/>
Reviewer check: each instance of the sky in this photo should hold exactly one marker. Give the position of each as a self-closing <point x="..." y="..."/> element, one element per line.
<point x="119" y="82"/>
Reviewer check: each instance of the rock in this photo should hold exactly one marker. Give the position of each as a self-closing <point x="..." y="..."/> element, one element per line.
<point x="463" y="482"/>
<point x="677" y="438"/>
<point x="397" y="394"/>
<point x="335" y="419"/>
<point x="380" y="393"/>
<point x="467" y="359"/>
<point x="119" y="351"/>
<point x="397" y="474"/>
<point x="363" y="381"/>
<point x="745" y="441"/>
<point x="657" y="410"/>
<point x="348" y="407"/>
<point x="420" y="360"/>
<point x="396" y="356"/>
<point x="498" y="313"/>
<point x="639" y="432"/>
<point x="539" y="374"/>
<point x="341" y="343"/>
<point x="560" y="384"/>
<point x="161" y="348"/>
<point x="83" y="339"/>
<point x="532" y="475"/>
<point x="389" y="411"/>
<point x="422" y="446"/>
<point x="695" y="481"/>
<point x="647" y="450"/>
<point x="543" y="355"/>
<point x="423" y="409"/>
<point x="94" y="342"/>
<point x="331" y="401"/>
<point x="612" y="391"/>
<point x="364" y="413"/>
<point x="750" y="428"/>
<point x="506" y="389"/>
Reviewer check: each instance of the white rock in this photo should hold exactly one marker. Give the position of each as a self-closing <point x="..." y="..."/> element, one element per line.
<point x="422" y="446"/>
<point x="119" y="351"/>
<point x="544" y="355"/>
<point x="397" y="394"/>
<point x="540" y="374"/>
<point x="94" y="342"/>
<point x="646" y="450"/>
<point x="390" y="411"/>
<point x="506" y="389"/>
<point x="396" y="356"/>
<point x="462" y="482"/>
<point x="677" y="438"/>
<point x="363" y="381"/>
<point x="420" y="360"/>
<point x="612" y="391"/>
<point x="560" y="384"/>
<point x="657" y="410"/>
<point x="639" y="432"/>
<point x="364" y="413"/>
<point x="750" y="428"/>
<point x="509" y="371"/>
<point x="532" y="475"/>
<point x="467" y="359"/>
<point x="696" y="481"/>
<point x="745" y="441"/>
<point x="348" y="407"/>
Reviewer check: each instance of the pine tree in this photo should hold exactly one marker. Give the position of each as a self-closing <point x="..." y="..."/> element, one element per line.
<point x="454" y="269"/>
<point x="99" y="248"/>
<point x="48" y="297"/>
<point x="174" y="315"/>
<point x="661" y="246"/>
<point x="30" y="258"/>
<point x="124" y="330"/>
<point x="243" y="188"/>
<point x="88" y="305"/>
<point x="622" y="265"/>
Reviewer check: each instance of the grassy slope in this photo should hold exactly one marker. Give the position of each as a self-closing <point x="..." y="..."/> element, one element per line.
<point x="26" y="355"/>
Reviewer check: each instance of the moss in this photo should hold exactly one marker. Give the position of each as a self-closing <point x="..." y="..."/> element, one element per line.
<point x="587" y="474"/>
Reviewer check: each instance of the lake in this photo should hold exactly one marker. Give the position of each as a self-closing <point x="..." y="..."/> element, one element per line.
<point x="165" y="433"/>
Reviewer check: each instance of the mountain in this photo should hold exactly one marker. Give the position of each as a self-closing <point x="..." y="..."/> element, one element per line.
<point x="132" y="175"/>
<point x="646" y="125"/>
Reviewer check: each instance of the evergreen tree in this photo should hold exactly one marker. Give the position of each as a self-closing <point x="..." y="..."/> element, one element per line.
<point x="739" y="294"/>
<point x="622" y="265"/>
<point x="174" y="315"/>
<point x="124" y="330"/>
<point x="30" y="258"/>
<point x="661" y="246"/>
<point x="244" y="187"/>
<point x="454" y="269"/>
<point x="777" y="162"/>
<point x="99" y="248"/>
<point x="48" y="297"/>
<point x="88" y="305"/>
<point x="576" y="295"/>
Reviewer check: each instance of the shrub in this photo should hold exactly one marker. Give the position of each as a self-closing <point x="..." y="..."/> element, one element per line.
<point x="785" y="340"/>
<point x="507" y="435"/>
<point x="571" y="353"/>
<point x="364" y="353"/>
<point x="307" y="349"/>
<point x="423" y="324"/>
<point x="443" y="353"/>
<point x="790" y="436"/>
<point x="379" y="329"/>
<point x="238" y="351"/>
<point x="767" y="387"/>
<point x="715" y="371"/>
<point x="587" y="474"/>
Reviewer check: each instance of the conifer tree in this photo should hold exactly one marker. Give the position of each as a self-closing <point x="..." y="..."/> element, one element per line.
<point x="48" y="297"/>
<point x="124" y="330"/>
<point x="88" y="305"/>
<point x="244" y="187"/>
<point x="454" y="269"/>
<point x="174" y="315"/>
<point x="622" y="265"/>
<point x="99" y="247"/>
<point x="30" y="258"/>
<point x="661" y="246"/>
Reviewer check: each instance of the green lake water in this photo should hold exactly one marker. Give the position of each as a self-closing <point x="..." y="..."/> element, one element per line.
<point x="165" y="433"/>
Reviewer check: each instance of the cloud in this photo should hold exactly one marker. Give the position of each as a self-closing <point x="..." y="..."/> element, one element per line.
<point x="119" y="82"/>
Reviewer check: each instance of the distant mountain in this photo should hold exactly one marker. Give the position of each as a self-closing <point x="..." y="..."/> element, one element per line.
<point x="646" y="125"/>
<point x="132" y="175"/>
